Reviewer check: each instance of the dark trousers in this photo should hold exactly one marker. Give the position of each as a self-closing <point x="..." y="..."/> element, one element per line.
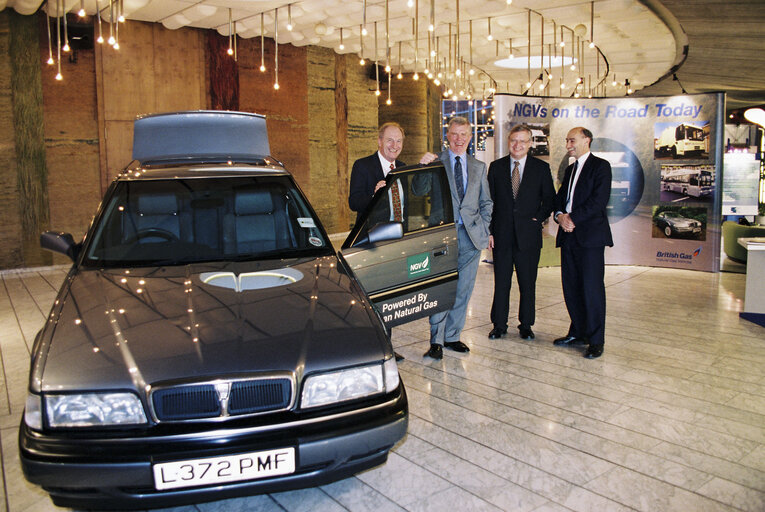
<point x="582" y="274"/>
<point x="525" y="264"/>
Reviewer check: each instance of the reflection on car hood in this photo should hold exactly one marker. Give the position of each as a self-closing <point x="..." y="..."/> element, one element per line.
<point x="682" y="221"/>
<point x="127" y="329"/>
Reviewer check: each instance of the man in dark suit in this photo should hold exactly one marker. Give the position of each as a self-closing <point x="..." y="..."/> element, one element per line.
<point x="523" y="193"/>
<point x="583" y="234"/>
<point x="368" y="173"/>
<point x="472" y="206"/>
<point x="368" y="176"/>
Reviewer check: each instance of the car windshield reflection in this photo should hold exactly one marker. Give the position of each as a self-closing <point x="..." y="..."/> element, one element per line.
<point x="182" y="221"/>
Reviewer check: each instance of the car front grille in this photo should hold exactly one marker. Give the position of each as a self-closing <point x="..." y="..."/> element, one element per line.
<point x="221" y="399"/>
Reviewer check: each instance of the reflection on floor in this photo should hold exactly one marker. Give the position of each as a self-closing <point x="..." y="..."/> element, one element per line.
<point x="671" y="418"/>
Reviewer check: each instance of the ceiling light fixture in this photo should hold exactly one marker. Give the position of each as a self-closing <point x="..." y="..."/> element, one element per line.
<point x="262" y="47"/>
<point x="100" y="39"/>
<point x="387" y="40"/>
<point x="116" y="44"/>
<point x="59" y="76"/>
<point x="81" y="12"/>
<point x="416" y="76"/>
<point x="342" y="46"/>
<point x="361" y="43"/>
<point x="488" y="24"/>
<point x="50" y="60"/>
<point x="289" y="17"/>
<point x="230" y="50"/>
<point x="66" y="33"/>
<point x="755" y="115"/>
<point x="400" y="75"/>
<point x="389" y="101"/>
<point x="377" y="66"/>
<point x="364" y="18"/>
<point x="276" y="48"/>
<point x="111" y="40"/>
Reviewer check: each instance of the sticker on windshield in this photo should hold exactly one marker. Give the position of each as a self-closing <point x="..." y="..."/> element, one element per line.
<point x="306" y="222"/>
<point x="315" y="241"/>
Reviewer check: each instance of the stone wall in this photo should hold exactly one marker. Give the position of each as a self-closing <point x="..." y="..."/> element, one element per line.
<point x="323" y="117"/>
<point x="10" y="218"/>
<point x="414" y="104"/>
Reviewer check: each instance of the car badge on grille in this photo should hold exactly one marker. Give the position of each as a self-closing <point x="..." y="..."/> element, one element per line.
<point x="223" y="389"/>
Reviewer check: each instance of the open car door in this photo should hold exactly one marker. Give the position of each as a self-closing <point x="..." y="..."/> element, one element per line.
<point x="408" y="267"/>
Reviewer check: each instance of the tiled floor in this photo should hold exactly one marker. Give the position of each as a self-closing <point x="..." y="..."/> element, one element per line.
<point x="671" y="418"/>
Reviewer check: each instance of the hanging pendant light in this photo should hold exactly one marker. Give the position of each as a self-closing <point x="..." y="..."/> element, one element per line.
<point x="276" y="49"/>
<point x="262" y="46"/>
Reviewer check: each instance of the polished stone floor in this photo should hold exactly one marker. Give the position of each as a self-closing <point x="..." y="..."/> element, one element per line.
<point x="671" y="418"/>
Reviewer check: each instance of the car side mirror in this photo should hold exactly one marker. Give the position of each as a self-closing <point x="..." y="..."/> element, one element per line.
<point x="60" y="242"/>
<point x="382" y="232"/>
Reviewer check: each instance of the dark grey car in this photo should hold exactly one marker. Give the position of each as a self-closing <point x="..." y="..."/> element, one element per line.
<point x="209" y="342"/>
<point x="674" y="224"/>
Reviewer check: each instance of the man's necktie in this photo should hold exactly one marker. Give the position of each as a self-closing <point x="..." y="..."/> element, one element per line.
<point x="571" y="186"/>
<point x="396" y="198"/>
<point x="515" y="179"/>
<point x="458" y="178"/>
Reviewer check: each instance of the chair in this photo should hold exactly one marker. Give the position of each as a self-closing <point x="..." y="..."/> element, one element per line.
<point x="260" y="223"/>
<point x="157" y="218"/>
<point x="731" y="232"/>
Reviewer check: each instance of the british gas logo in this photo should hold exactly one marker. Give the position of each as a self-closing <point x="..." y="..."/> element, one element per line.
<point x="678" y="256"/>
<point x="418" y="265"/>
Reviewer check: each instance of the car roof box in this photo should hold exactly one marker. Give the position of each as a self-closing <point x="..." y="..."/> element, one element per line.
<point x="200" y="135"/>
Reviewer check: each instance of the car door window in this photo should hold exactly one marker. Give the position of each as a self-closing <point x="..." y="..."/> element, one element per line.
<point x="409" y="273"/>
<point x="425" y="201"/>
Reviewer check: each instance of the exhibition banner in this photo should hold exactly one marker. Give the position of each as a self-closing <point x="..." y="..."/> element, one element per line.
<point x="666" y="164"/>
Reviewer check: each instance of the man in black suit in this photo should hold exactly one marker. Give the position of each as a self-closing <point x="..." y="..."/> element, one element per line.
<point x="368" y="173"/>
<point x="368" y="176"/>
<point x="583" y="234"/>
<point x="522" y="189"/>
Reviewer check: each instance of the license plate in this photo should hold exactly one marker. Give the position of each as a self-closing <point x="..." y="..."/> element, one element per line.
<point x="228" y="468"/>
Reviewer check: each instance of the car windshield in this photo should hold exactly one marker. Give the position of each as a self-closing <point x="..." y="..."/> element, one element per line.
<point x="179" y="221"/>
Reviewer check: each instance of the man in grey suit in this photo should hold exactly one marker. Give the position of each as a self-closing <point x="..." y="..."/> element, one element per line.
<point x="472" y="206"/>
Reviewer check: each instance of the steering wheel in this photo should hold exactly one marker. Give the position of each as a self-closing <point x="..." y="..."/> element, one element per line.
<point x="153" y="232"/>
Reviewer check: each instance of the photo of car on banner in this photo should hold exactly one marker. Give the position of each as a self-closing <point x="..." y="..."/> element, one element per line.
<point x="209" y="342"/>
<point x="679" y="222"/>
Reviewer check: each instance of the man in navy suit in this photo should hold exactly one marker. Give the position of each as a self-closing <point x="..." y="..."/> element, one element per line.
<point x="523" y="193"/>
<point x="368" y="173"/>
<point x="583" y="234"/>
<point x="472" y="205"/>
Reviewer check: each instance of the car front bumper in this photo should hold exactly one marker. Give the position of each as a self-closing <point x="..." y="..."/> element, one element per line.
<point x="325" y="452"/>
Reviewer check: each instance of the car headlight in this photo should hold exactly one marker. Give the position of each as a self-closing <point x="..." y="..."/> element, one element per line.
<point x="93" y="409"/>
<point x="32" y="412"/>
<point x="349" y="384"/>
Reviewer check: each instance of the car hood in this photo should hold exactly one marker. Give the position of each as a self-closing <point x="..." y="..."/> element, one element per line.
<point x="134" y="328"/>
<point x="683" y="222"/>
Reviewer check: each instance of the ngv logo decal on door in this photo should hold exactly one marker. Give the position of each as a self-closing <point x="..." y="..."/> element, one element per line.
<point x="418" y="265"/>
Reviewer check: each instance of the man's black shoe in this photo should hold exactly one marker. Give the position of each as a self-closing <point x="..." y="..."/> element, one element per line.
<point x="526" y="333"/>
<point x="436" y="352"/>
<point x="496" y="333"/>
<point x="570" y="341"/>
<point x="457" y="346"/>
<point x="398" y="356"/>
<point x="593" y="351"/>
